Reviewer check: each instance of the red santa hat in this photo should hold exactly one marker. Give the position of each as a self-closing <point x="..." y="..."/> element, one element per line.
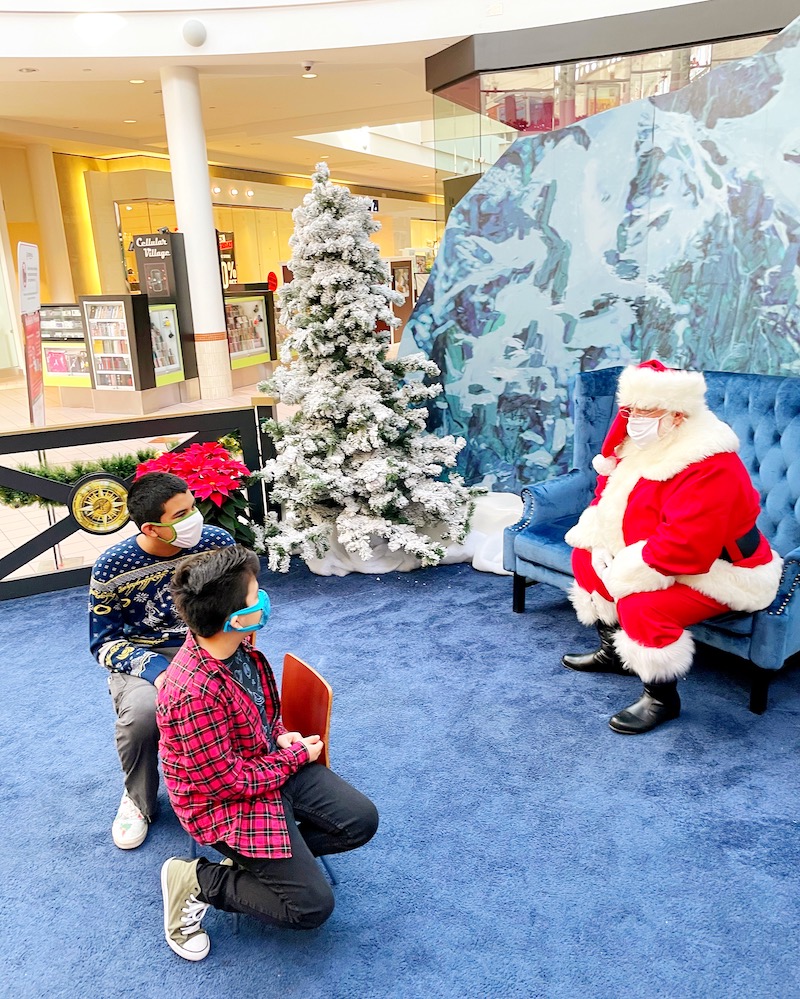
<point x="650" y="385"/>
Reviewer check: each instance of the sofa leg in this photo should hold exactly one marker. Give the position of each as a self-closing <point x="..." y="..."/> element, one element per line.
<point x="759" y="689"/>
<point x="518" y="598"/>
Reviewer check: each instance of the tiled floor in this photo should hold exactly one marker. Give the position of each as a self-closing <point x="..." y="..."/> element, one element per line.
<point x="20" y="525"/>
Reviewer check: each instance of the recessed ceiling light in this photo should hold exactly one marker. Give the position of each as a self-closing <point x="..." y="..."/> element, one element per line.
<point x="135" y="81"/>
<point x="234" y="191"/>
<point x="216" y="190"/>
<point x="324" y="157"/>
<point x="309" y="76"/>
<point x="128" y="208"/>
<point x="129" y="121"/>
<point x="28" y="69"/>
<point x="249" y="193"/>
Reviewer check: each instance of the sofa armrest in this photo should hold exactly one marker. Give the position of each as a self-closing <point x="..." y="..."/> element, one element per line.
<point x="565" y="496"/>
<point x="776" y="629"/>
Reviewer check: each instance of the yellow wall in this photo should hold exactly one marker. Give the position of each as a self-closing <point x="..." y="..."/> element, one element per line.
<point x="70" y="173"/>
<point x="17" y="192"/>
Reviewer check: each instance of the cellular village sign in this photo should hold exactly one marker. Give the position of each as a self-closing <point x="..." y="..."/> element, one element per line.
<point x="153" y="246"/>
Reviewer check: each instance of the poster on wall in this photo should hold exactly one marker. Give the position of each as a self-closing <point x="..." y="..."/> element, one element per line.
<point x="401" y="282"/>
<point x="227" y="259"/>
<point x="248" y="335"/>
<point x="30" y="300"/>
<point x="166" y="341"/>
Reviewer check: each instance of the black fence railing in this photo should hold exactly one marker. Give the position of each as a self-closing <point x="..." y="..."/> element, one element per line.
<point x="201" y="428"/>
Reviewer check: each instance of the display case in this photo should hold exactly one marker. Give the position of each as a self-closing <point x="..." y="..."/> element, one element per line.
<point x="166" y="340"/>
<point x="119" y="342"/>
<point x="161" y="264"/>
<point x="65" y="359"/>
<point x="247" y="321"/>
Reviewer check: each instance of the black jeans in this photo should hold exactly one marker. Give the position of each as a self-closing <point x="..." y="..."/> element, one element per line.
<point x="333" y="817"/>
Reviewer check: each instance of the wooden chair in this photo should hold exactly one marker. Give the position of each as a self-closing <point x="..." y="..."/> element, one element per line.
<point x="306" y="699"/>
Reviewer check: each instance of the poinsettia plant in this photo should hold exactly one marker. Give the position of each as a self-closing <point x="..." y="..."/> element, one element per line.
<point x="216" y="479"/>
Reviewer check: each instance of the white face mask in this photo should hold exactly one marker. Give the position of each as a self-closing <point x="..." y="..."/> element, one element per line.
<point x="643" y="430"/>
<point x="187" y="530"/>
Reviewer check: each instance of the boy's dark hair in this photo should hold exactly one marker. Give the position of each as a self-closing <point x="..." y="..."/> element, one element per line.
<point x="210" y="586"/>
<point x="148" y="496"/>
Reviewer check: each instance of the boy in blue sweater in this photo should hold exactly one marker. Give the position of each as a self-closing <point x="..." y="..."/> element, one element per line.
<point x="134" y="631"/>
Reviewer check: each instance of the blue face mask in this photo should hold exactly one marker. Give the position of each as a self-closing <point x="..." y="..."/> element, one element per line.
<point x="262" y="605"/>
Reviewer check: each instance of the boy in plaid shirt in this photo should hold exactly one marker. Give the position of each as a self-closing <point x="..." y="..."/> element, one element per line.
<point x="237" y="780"/>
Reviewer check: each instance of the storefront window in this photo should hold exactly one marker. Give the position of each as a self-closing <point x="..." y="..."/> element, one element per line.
<point x="260" y="236"/>
<point x="478" y="118"/>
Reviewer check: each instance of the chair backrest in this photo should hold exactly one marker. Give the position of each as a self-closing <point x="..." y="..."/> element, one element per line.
<point x="764" y="412"/>
<point x="306" y="699"/>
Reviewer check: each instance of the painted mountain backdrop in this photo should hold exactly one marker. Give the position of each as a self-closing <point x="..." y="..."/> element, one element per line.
<point x="669" y="228"/>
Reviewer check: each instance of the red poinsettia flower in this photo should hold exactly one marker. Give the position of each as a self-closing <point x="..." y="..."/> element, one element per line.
<point x="208" y="470"/>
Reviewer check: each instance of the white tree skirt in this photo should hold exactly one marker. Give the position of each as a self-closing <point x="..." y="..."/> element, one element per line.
<point x="483" y="546"/>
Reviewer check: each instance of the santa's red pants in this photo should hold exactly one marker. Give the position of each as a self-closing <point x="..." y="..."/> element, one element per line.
<point x="654" y="619"/>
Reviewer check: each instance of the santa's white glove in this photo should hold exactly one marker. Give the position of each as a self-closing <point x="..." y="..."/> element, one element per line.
<point x="601" y="560"/>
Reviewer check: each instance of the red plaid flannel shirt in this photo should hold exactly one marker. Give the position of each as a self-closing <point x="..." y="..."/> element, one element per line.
<point x="222" y="779"/>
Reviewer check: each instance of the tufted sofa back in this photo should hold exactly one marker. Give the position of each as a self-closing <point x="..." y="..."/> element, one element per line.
<point x="764" y="412"/>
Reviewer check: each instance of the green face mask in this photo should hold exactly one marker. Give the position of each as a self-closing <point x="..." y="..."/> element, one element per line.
<point x="186" y="530"/>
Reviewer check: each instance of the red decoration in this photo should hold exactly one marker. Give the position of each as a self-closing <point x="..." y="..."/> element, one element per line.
<point x="208" y="470"/>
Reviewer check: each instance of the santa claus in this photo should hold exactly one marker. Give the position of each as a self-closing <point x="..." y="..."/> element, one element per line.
<point x="669" y="540"/>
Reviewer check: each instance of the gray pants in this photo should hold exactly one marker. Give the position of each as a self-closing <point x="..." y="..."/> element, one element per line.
<point x="137" y="738"/>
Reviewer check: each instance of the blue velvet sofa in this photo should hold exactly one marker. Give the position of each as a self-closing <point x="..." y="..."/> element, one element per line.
<point x="764" y="411"/>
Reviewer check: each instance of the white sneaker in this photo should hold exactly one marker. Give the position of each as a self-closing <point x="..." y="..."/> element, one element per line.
<point x="129" y="828"/>
<point x="183" y="914"/>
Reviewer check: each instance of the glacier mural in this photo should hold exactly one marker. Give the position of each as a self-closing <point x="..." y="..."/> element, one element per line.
<point x="668" y="228"/>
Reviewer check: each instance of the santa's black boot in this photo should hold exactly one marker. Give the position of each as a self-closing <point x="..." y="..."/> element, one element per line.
<point x="659" y="703"/>
<point x="602" y="660"/>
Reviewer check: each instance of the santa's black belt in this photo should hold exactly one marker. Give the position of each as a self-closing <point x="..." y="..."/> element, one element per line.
<point x="747" y="545"/>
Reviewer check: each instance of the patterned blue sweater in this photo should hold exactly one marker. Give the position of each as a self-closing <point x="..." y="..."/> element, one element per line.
<point x="130" y="606"/>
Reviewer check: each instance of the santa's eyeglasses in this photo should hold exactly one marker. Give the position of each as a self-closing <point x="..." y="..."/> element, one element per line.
<point x="628" y="411"/>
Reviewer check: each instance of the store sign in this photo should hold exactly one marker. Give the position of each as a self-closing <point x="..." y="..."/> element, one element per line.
<point x="154" y="264"/>
<point x="227" y="259"/>
<point x="30" y="300"/>
<point x="28" y="270"/>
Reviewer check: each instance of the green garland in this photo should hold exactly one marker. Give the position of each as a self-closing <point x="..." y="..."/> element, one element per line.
<point x="121" y="465"/>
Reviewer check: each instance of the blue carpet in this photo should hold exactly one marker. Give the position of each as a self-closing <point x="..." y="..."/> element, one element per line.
<point x="524" y="851"/>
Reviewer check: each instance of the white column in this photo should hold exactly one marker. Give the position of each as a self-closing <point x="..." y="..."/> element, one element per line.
<point x="191" y="185"/>
<point x="53" y="239"/>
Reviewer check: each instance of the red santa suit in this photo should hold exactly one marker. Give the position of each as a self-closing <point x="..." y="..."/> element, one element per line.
<point x="670" y="537"/>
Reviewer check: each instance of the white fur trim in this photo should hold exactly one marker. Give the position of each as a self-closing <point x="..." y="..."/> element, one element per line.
<point x="603" y="465"/>
<point x="672" y="662"/>
<point x="629" y="573"/>
<point x="674" y="391"/>
<point x="584" y="534"/>
<point x="584" y="606"/>
<point x="591" y="607"/>
<point x="739" y="587"/>
<point x="606" y="611"/>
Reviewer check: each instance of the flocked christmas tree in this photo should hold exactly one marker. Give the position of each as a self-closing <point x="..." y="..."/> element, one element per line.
<point x="354" y="463"/>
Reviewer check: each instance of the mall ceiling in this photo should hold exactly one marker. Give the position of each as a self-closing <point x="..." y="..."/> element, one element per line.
<point x="253" y="109"/>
